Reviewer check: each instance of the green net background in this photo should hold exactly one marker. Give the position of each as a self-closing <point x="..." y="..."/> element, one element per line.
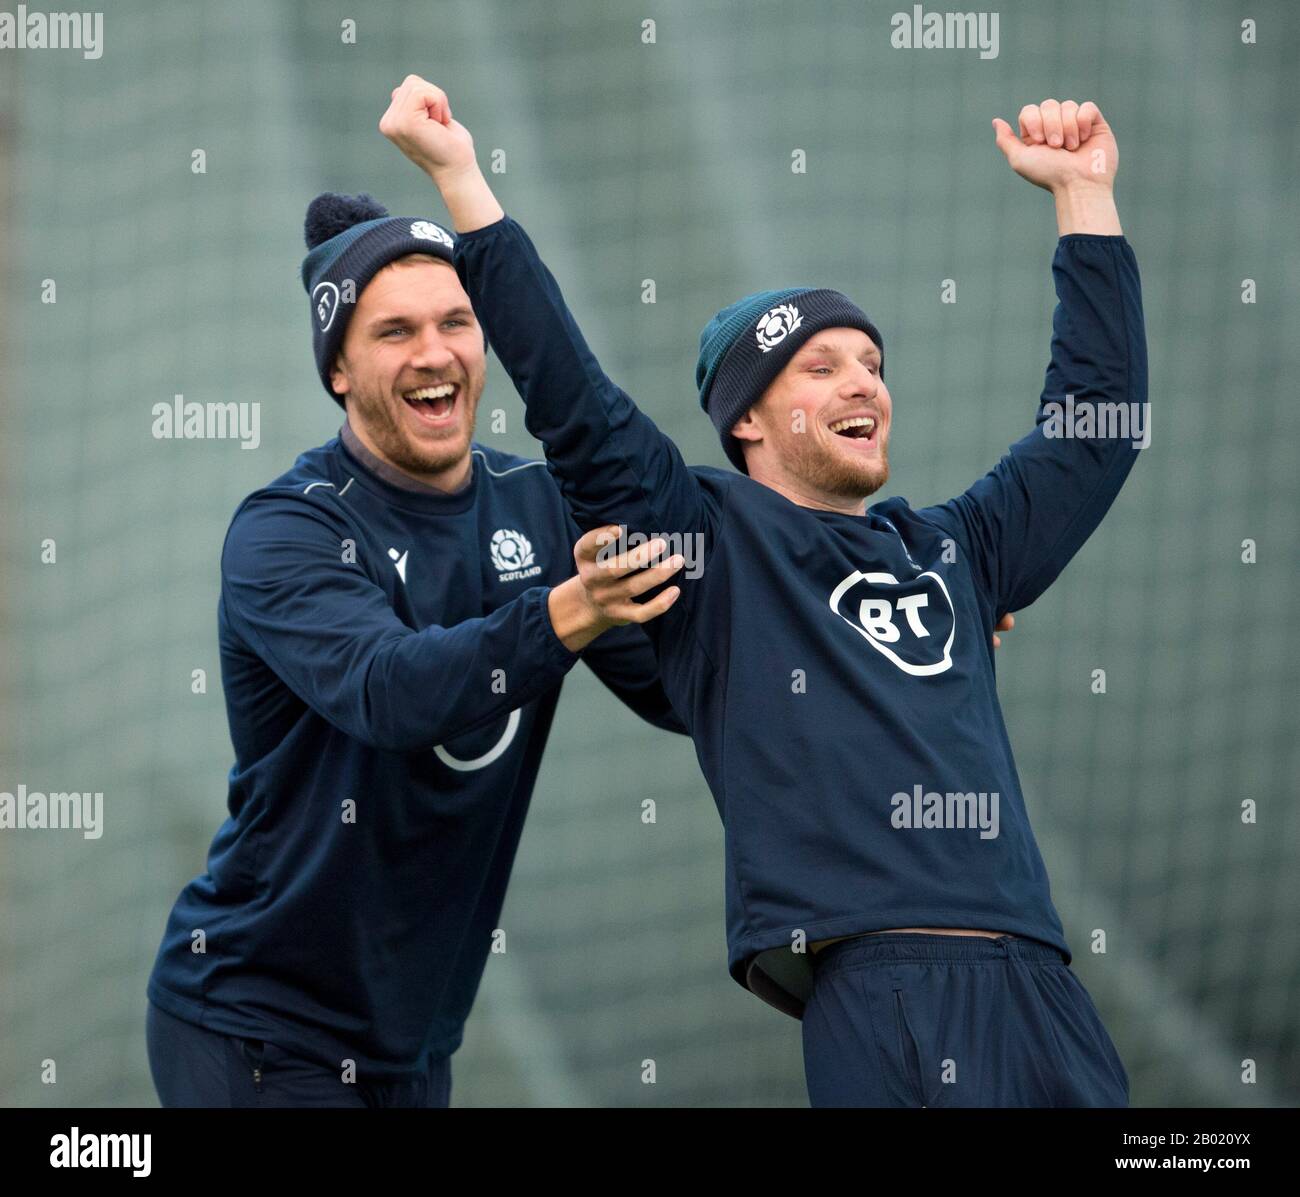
<point x="668" y="161"/>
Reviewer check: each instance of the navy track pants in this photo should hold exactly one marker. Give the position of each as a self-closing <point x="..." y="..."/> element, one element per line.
<point x="911" y="1019"/>
<point x="192" y="1067"/>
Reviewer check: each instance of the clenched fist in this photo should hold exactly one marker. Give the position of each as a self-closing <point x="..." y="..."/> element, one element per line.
<point x="420" y="124"/>
<point x="1060" y="145"/>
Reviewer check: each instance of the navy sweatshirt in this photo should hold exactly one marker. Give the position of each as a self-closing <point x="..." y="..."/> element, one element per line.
<point x="836" y="672"/>
<point x="390" y="675"/>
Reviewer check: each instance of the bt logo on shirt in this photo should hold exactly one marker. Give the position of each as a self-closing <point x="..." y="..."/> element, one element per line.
<point x="911" y="622"/>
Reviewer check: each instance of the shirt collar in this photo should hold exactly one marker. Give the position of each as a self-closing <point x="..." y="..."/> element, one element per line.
<point x="391" y="474"/>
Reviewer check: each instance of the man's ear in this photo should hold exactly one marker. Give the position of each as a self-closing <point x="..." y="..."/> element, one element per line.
<point x="747" y="429"/>
<point x="338" y="376"/>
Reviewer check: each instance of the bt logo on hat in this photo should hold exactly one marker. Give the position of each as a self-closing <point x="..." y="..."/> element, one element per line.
<point x="776" y="324"/>
<point x="325" y="302"/>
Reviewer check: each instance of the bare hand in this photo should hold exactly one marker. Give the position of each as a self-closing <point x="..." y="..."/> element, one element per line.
<point x="1005" y="624"/>
<point x="612" y="583"/>
<point x="1060" y="145"/>
<point x="419" y="123"/>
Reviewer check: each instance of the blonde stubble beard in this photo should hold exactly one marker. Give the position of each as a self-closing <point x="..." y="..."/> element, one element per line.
<point x="394" y="443"/>
<point x="827" y="473"/>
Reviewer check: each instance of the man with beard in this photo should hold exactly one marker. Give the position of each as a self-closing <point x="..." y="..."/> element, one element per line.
<point x="397" y="614"/>
<point x="832" y="661"/>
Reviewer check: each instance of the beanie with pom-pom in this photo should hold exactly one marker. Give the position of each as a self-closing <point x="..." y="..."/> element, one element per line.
<point x="350" y="238"/>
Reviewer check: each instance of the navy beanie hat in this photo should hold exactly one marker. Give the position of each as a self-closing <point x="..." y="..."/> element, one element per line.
<point x="745" y="346"/>
<point x="350" y="238"/>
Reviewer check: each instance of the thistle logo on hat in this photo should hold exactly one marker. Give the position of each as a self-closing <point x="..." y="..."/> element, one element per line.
<point x="776" y="324"/>
<point x="351" y="238"/>
<point x="733" y="371"/>
<point x="426" y="230"/>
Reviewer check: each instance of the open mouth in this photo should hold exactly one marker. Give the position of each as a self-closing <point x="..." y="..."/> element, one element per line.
<point x="433" y="405"/>
<point x="856" y="428"/>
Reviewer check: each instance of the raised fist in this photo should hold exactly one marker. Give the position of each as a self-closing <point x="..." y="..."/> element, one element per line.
<point x="1060" y="144"/>
<point x="419" y="123"/>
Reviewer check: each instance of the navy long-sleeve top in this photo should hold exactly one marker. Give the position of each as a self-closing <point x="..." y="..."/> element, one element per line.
<point x="390" y="675"/>
<point x="836" y="671"/>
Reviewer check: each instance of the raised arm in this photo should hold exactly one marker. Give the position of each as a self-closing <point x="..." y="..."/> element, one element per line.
<point x="613" y="465"/>
<point x="1026" y="518"/>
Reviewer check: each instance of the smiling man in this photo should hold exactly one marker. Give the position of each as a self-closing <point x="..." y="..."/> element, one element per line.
<point x="832" y="663"/>
<point x="397" y="614"/>
<point x="416" y="415"/>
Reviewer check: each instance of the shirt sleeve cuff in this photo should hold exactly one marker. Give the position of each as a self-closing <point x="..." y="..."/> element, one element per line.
<point x="487" y="230"/>
<point x="556" y="654"/>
